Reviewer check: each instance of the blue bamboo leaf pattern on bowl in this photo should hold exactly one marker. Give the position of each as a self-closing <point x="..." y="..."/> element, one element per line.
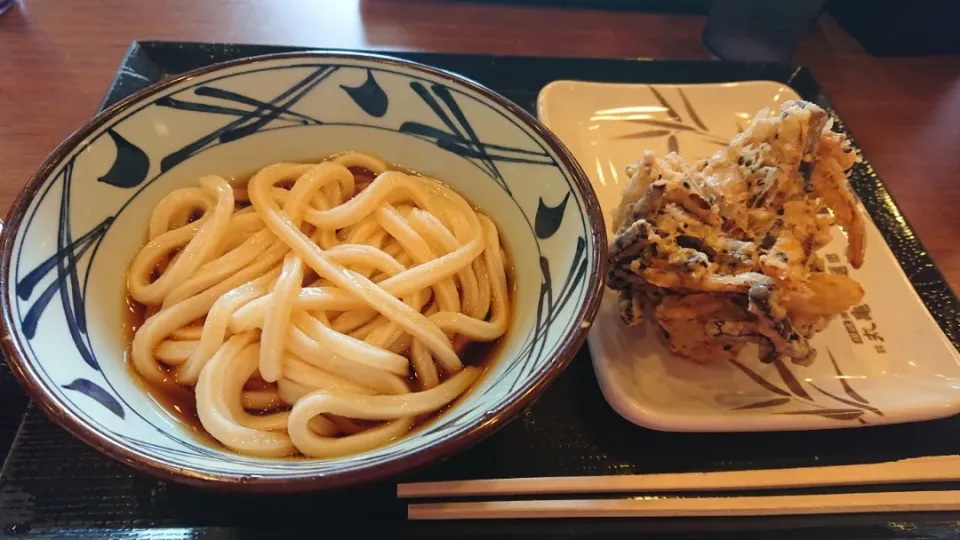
<point x="549" y="305"/>
<point x="549" y="218"/>
<point x="64" y="262"/>
<point x="249" y="121"/>
<point x="369" y="96"/>
<point x="131" y="166"/>
<point x="460" y="137"/>
<point x="95" y="392"/>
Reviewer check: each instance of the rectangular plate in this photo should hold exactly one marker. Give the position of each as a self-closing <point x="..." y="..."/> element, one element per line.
<point x="884" y="362"/>
<point x="53" y="486"/>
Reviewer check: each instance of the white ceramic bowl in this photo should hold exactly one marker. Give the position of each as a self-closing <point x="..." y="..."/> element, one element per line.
<point x="72" y="232"/>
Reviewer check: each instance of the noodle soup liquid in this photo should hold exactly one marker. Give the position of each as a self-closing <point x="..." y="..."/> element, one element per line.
<point x="180" y="401"/>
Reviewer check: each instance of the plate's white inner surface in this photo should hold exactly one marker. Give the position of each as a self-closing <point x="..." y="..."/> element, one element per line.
<point x="892" y="362"/>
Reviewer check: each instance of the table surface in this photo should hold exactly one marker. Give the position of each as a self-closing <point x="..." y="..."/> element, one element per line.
<point x="57" y="59"/>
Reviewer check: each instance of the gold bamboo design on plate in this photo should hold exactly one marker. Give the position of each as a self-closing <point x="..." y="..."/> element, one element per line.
<point x="676" y="125"/>
<point x="793" y="393"/>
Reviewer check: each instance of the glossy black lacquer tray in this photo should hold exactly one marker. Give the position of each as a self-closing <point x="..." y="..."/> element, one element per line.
<point x="53" y="486"/>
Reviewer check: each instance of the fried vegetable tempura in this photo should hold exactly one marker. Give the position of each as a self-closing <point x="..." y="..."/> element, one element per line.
<point x="726" y="249"/>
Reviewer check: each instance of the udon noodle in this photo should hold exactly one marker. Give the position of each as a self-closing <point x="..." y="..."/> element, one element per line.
<point x="312" y="310"/>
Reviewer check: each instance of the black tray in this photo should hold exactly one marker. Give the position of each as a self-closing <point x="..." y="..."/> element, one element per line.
<point x="53" y="486"/>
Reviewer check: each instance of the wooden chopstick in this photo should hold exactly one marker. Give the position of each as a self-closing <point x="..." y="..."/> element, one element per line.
<point x="844" y="503"/>
<point x="915" y="470"/>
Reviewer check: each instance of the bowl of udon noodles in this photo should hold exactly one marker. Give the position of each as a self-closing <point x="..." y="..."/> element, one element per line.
<point x="299" y="271"/>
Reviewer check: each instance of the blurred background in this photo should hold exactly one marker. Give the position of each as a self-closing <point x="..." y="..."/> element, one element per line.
<point x="771" y="29"/>
<point x="762" y="30"/>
